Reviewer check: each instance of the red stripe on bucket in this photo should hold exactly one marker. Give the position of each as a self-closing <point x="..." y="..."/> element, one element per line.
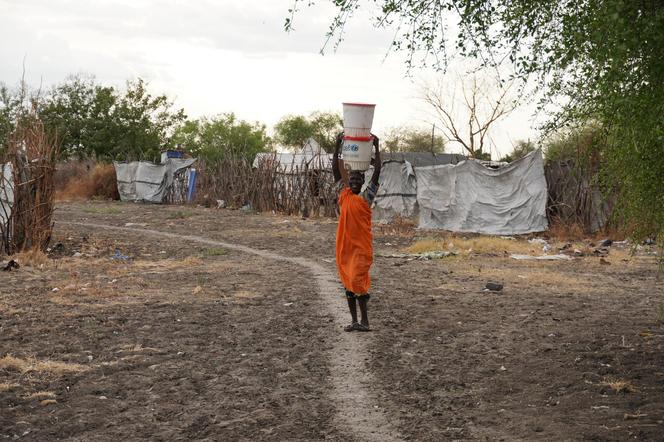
<point x="359" y="104"/>
<point x="358" y="138"/>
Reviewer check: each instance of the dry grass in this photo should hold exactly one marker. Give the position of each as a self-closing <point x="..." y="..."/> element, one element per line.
<point x="97" y="181"/>
<point x="5" y="386"/>
<point x="40" y="395"/>
<point x="619" y="385"/>
<point x="10" y="363"/>
<point x="567" y="231"/>
<point x="479" y="245"/>
<point x="46" y="402"/>
<point x="659" y="313"/>
<point x="31" y="258"/>
<point x="192" y="261"/>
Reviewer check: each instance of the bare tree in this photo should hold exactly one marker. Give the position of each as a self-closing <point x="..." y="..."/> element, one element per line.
<point x="468" y="120"/>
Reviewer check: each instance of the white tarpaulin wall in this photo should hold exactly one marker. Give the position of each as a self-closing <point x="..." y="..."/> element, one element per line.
<point x="397" y="191"/>
<point x="469" y="197"/>
<point x="149" y="182"/>
<point x="6" y="192"/>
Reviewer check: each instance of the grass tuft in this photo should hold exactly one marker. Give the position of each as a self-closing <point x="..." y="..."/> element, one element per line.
<point x="215" y="251"/>
<point x="103" y="210"/>
<point x="477" y="245"/>
<point x="31" y="258"/>
<point x="619" y="385"/>
<point x="5" y="386"/>
<point x="180" y="214"/>
<point x="10" y="363"/>
<point x="41" y="395"/>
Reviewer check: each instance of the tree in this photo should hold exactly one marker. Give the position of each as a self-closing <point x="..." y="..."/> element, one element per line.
<point x="326" y="127"/>
<point x="91" y="120"/>
<point x="66" y="114"/>
<point x="295" y="130"/>
<point x="520" y="150"/>
<point x="213" y="138"/>
<point x="468" y="120"/>
<point x="412" y="139"/>
<point x="596" y="60"/>
<point x="8" y="113"/>
<point x="142" y="123"/>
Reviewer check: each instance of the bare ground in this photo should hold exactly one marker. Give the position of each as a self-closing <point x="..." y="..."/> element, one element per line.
<point x="195" y="341"/>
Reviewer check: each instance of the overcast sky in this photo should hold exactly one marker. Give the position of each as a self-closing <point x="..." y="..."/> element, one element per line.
<point x="222" y="56"/>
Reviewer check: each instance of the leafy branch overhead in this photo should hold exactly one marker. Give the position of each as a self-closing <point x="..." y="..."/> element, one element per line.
<point x="595" y="61"/>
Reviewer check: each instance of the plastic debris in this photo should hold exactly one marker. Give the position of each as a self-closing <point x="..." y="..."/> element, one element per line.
<point x="120" y="256"/>
<point x="543" y="257"/>
<point x="421" y="256"/>
<point x="11" y="265"/>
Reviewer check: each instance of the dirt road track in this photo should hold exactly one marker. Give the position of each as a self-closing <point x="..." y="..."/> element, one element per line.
<point x="357" y="414"/>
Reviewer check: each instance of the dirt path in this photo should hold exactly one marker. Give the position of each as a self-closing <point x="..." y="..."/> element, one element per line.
<point x="357" y="414"/>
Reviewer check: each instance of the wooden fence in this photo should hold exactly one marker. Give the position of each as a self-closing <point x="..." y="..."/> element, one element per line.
<point x="306" y="189"/>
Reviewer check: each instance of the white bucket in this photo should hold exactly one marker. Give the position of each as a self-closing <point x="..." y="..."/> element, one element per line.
<point x="358" y="118"/>
<point x="356" y="152"/>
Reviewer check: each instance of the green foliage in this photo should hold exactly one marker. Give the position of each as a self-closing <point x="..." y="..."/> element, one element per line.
<point x="411" y="139"/>
<point x="212" y="138"/>
<point x="91" y="120"/>
<point x="579" y="145"/>
<point x="596" y="60"/>
<point x="142" y="122"/>
<point x="8" y="108"/>
<point x="294" y="130"/>
<point x="521" y="149"/>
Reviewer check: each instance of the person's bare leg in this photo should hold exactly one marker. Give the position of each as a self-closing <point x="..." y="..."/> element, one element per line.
<point x="362" y="300"/>
<point x="352" y="306"/>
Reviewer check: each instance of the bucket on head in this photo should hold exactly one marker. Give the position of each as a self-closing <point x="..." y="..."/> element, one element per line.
<point x="356" y="152"/>
<point x="358" y="118"/>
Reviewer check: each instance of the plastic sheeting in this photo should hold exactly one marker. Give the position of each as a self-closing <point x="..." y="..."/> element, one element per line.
<point x="6" y="192"/>
<point x="149" y="182"/>
<point x="397" y="192"/>
<point x="469" y="197"/>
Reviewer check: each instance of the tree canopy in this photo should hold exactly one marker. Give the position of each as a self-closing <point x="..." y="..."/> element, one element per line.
<point x="412" y="139"/>
<point x="595" y="60"/>
<point x="294" y="130"/>
<point x="212" y="138"/>
<point x="520" y="150"/>
<point x="91" y="120"/>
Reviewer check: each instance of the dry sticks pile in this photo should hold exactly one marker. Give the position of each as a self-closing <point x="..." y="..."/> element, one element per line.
<point x="27" y="189"/>
<point x="305" y="189"/>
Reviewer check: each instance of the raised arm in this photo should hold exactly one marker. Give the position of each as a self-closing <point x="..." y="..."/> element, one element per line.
<point x="338" y="168"/>
<point x="377" y="162"/>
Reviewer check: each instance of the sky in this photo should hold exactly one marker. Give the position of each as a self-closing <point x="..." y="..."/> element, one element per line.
<point x="217" y="56"/>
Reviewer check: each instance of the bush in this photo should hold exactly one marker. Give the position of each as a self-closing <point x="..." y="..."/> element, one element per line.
<point x="86" y="180"/>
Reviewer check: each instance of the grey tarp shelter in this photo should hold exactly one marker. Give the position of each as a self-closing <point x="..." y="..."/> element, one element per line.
<point x="469" y="197"/>
<point x="397" y="193"/>
<point x="148" y="182"/>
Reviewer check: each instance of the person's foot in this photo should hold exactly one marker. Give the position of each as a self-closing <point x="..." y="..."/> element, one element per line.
<point x="351" y="327"/>
<point x="361" y="327"/>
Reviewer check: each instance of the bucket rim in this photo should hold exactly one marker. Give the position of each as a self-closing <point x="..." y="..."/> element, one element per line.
<point x="348" y="137"/>
<point x="358" y="104"/>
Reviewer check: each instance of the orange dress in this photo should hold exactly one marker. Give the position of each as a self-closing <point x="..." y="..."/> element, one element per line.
<point x="354" y="242"/>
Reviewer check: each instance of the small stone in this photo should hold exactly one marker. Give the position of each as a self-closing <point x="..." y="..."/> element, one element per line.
<point x="494" y="286"/>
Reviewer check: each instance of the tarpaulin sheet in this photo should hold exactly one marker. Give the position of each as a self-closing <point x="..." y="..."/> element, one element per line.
<point x="149" y="182"/>
<point x="397" y="192"/>
<point x="469" y="197"/>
